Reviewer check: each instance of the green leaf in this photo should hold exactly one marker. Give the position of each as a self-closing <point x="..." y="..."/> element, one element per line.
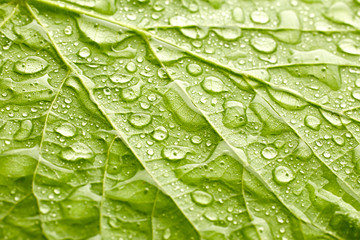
<point x="179" y="119"/>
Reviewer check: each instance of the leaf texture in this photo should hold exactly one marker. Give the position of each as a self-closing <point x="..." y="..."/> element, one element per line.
<point x="178" y="119"/>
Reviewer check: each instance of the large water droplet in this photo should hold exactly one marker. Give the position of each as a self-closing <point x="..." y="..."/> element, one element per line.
<point x="290" y="24"/>
<point x="24" y="131"/>
<point x="167" y="234"/>
<point x="30" y="65"/>
<point x="349" y="46"/>
<point x="213" y="85"/>
<point x="131" y="67"/>
<point x="140" y="120"/>
<point x="235" y="115"/>
<point x="84" y="52"/>
<point x="174" y="153"/>
<point x="191" y="32"/>
<point x="238" y="15"/>
<point x="68" y="30"/>
<point x="356" y="94"/>
<point x="340" y="12"/>
<point x="283" y="175"/>
<point x="77" y="151"/>
<point x="66" y="129"/>
<point x="339" y="140"/>
<point x="332" y="118"/>
<point x="229" y="34"/>
<point x="160" y="133"/>
<point x="263" y="44"/>
<point x="259" y="17"/>
<point x="201" y="197"/>
<point x="287" y="100"/>
<point x="312" y="122"/>
<point x="303" y="151"/>
<point x="269" y="153"/>
<point x="194" y="69"/>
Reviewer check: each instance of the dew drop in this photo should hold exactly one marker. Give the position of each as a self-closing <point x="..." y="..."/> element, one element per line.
<point x="238" y="15"/>
<point x="283" y="175"/>
<point x="269" y="153"/>
<point x="312" y="122"/>
<point x="30" y="65"/>
<point x="213" y="85"/>
<point x="160" y="133"/>
<point x="140" y="120"/>
<point x="84" y="52"/>
<point x="68" y="30"/>
<point x="259" y="17"/>
<point x="131" y="67"/>
<point x="66" y="129"/>
<point x="194" y="69"/>
<point x="201" y="197"/>
<point x="263" y="44"/>
<point x="174" y="153"/>
<point x="77" y="151"/>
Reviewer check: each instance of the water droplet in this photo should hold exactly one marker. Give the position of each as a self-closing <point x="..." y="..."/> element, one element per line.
<point x="191" y="32"/>
<point x="287" y="100"/>
<point x="194" y="69"/>
<point x="283" y="175"/>
<point x="77" y="151"/>
<point x="196" y="140"/>
<point x="326" y="154"/>
<point x="211" y="216"/>
<point x="44" y="208"/>
<point x="235" y="115"/>
<point x="30" y="65"/>
<point x="259" y="17"/>
<point x="238" y="15"/>
<point x="213" y="85"/>
<point x="131" y="67"/>
<point x="349" y="46"/>
<point x="24" y="131"/>
<point x="303" y="151"/>
<point x="66" y="129"/>
<point x="356" y="94"/>
<point x="269" y="153"/>
<point x="140" y="120"/>
<point x="290" y="24"/>
<point x="312" y="122"/>
<point x="229" y="34"/>
<point x="68" y="30"/>
<point x="184" y="111"/>
<point x="84" y="52"/>
<point x="263" y="44"/>
<point x="340" y="12"/>
<point x="121" y="78"/>
<point x="332" y="118"/>
<point x="174" y="153"/>
<point x="167" y="234"/>
<point x="160" y="133"/>
<point x="201" y="197"/>
<point x="339" y="140"/>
